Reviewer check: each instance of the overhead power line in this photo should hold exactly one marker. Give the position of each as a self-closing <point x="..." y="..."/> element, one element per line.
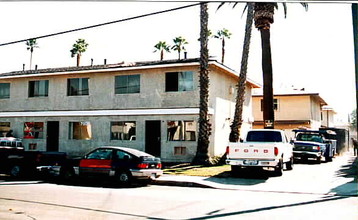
<point x="102" y="24"/>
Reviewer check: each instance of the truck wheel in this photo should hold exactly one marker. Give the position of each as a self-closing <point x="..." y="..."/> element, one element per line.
<point x="289" y="164"/>
<point x="328" y="159"/>
<point x="279" y="169"/>
<point x="124" y="178"/>
<point x="318" y="160"/>
<point x="15" y="171"/>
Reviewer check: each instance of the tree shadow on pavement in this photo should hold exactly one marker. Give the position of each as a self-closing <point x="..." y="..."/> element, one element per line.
<point x="350" y="170"/>
<point x="244" y="177"/>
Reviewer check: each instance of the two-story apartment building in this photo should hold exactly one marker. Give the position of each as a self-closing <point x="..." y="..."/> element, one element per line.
<point x="150" y="106"/>
<point x="293" y="109"/>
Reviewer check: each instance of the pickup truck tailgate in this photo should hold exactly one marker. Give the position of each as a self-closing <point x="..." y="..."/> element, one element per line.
<point x="253" y="150"/>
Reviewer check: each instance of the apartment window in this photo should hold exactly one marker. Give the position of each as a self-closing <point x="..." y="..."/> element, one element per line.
<point x="77" y="86"/>
<point x="38" y="88"/>
<point x="127" y="84"/>
<point x="4" y="90"/>
<point x="181" y="131"/>
<point x="123" y="130"/>
<point x="179" y="81"/>
<point x="275" y="104"/>
<point x="80" y="131"/>
<point x="33" y="130"/>
<point x="4" y="128"/>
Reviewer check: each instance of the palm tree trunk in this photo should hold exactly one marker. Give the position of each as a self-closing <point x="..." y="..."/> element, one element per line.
<point x="268" y="111"/>
<point x="31" y="59"/>
<point x="202" y="153"/>
<point x="263" y="16"/>
<point x="223" y="50"/>
<point x="241" y="86"/>
<point x="78" y="59"/>
<point x="161" y="55"/>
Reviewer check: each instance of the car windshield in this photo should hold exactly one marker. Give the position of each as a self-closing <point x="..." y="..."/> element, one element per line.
<point x="309" y="137"/>
<point x="264" y="136"/>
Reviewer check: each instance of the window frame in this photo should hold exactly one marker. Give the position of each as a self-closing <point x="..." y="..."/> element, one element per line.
<point x="71" y="131"/>
<point x="176" y="81"/>
<point x="123" y="136"/>
<point x="183" y="132"/>
<point x="132" y="84"/>
<point x="35" y="88"/>
<point x="276" y="104"/>
<point x="33" y="130"/>
<point x="5" y="90"/>
<point x="80" y="90"/>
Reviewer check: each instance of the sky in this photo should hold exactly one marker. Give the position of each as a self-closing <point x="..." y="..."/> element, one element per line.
<point x="310" y="49"/>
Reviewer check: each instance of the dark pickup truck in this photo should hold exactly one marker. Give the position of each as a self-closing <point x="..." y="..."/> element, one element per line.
<point x="312" y="144"/>
<point x="17" y="162"/>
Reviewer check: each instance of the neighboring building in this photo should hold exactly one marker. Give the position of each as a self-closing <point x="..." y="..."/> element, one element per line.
<point x="293" y="109"/>
<point x="150" y="106"/>
<point x="327" y="117"/>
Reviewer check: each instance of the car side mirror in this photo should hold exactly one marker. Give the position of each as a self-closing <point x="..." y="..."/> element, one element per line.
<point x="241" y="140"/>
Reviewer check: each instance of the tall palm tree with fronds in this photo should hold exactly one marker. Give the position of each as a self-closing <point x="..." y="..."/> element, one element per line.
<point x="162" y="46"/>
<point x="31" y="44"/>
<point x="264" y="17"/>
<point x="241" y="85"/>
<point x="202" y="153"/>
<point x="78" y="48"/>
<point x="222" y="35"/>
<point x="179" y="45"/>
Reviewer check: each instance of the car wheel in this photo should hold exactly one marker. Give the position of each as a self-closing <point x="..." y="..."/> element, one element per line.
<point x="67" y="174"/>
<point x="289" y="164"/>
<point x="124" y="178"/>
<point x="279" y="169"/>
<point x="15" y="171"/>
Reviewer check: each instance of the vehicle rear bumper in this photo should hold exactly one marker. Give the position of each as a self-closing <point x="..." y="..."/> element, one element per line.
<point x="253" y="162"/>
<point x="146" y="173"/>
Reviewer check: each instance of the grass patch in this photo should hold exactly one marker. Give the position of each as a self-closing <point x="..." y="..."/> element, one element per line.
<point x="198" y="170"/>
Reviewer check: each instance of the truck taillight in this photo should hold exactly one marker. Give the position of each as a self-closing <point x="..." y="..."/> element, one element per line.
<point x="276" y="151"/>
<point x="227" y="150"/>
<point x="143" y="166"/>
<point x="159" y="166"/>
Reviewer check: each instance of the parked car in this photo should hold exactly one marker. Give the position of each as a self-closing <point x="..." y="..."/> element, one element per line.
<point x="123" y="165"/>
<point x="261" y="148"/>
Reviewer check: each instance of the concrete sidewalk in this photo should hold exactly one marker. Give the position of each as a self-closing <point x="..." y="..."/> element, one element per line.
<point x="290" y="182"/>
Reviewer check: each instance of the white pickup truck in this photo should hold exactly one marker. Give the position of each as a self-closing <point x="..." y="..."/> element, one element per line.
<point x="261" y="148"/>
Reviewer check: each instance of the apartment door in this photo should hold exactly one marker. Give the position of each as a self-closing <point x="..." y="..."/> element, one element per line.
<point x="152" y="138"/>
<point x="52" y="138"/>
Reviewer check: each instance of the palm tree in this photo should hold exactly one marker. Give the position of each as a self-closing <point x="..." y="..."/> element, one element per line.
<point x="179" y="43"/>
<point x="202" y="153"/>
<point x="241" y="85"/>
<point x="222" y="35"/>
<point x="162" y="46"/>
<point x="31" y="44"/>
<point x="78" y="48"/>
<point x="263" y="17"/>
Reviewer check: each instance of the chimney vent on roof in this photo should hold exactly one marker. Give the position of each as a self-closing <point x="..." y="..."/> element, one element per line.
<point x="91" y="61"/>
<point x="23" y="67"/>
<point x="105" y="61"/>
<point x="36" y="67"/>
<point x="185" y="55"/>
